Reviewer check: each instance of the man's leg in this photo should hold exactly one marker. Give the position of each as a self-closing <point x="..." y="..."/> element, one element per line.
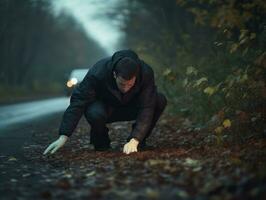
<point x="130" y="112"/>
<point x="96" y="116"/>
<point x="160" y="105"/>
<point x="123" y="113"/>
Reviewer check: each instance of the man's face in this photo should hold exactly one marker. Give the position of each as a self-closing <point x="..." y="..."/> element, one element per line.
<point x="123" y="84"/>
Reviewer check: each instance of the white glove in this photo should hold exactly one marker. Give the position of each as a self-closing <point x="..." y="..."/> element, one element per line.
<point x="131" y="146"/>
<point x="56" y="144"/>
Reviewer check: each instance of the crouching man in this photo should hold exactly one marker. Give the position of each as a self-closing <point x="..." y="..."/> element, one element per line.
<point x="116" y="88"/>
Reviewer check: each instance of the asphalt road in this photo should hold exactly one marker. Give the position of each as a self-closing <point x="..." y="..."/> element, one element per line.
<point x="19" y="121"/>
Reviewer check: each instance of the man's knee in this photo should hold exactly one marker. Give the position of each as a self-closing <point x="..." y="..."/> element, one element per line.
<point x="161" y="101"/>
<point x="95" y="113"/>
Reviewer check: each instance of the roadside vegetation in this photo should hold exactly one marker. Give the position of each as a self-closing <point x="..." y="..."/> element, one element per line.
<point x="210" y="59"/>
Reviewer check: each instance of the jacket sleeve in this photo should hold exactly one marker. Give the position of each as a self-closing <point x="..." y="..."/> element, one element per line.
<point x="81" y="97"/>
<point x="147" y="105"/>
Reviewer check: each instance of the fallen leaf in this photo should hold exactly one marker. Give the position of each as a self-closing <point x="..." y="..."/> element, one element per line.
<point x="219" y="129"/>
<point x="227" y="123"/>
<point x="191" y="162"/>
<point x="90" y="174"/>
<point x="191" y="70"/>
<point x="167" y="72"/>
<point x="152" y="194"/>
<point x="68" y="175"/>
<point x="209" y="90"/>
<point x="201" y="80"/>
<point x="12" y="158"/>
<point x="26" y="175"/>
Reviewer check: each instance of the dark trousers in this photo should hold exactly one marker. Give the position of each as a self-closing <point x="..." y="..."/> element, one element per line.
<point x="99" y="114"/>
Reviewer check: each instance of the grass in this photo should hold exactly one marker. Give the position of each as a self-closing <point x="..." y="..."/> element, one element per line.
<point x="12" y="94"/>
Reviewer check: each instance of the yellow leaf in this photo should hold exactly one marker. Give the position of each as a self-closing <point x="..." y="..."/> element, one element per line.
<point x="209" y="90"/>
<point x="219" y="129"/>
<point x="227" y="123"/>
<point x="201" y="80"/>
<point x="167" y="72"/>
<point x="191" y="70"/>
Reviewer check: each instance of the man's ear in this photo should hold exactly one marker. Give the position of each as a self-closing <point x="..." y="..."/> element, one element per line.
<point x="114" y="74"/>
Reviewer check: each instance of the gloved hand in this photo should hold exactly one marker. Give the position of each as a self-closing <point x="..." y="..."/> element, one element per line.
<point x="131" y="146"/>
<point x="56" y="144"/>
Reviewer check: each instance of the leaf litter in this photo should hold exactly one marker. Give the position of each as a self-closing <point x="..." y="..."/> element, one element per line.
<point x="181" y="165"/>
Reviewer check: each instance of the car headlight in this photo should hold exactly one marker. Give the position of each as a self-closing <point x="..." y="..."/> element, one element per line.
<point x="72" y="82"/>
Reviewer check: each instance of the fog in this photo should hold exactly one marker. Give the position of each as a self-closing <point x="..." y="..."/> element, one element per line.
<point x="97" y="19"/>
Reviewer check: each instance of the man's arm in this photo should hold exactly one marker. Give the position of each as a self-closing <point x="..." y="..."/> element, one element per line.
<point x="81" y="97"/>
<point x="147" y="100"/>
<point x="52" y="148"/>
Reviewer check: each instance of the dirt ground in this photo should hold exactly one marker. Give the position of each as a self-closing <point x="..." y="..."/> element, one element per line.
<point x="182" y="164"/>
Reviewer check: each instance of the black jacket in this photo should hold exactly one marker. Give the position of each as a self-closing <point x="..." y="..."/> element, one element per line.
<point x="99" y="84"/>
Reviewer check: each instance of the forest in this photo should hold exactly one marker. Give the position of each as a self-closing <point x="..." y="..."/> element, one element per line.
<point x="209" y="57"/>
<point x="39" y="49"/>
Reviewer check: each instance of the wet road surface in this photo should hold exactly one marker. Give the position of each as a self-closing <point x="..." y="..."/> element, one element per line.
<point x="19" y="121"/>
<point x="11" y="115"/>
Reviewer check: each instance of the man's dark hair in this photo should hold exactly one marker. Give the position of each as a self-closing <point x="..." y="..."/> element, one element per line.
<point x="127" y="68"/>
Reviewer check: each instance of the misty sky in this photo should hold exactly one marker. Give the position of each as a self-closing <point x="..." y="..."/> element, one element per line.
<point x="92" y="15"/>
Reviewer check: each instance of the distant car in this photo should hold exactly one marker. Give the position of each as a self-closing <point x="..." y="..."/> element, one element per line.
<point x="76" y="76"/>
